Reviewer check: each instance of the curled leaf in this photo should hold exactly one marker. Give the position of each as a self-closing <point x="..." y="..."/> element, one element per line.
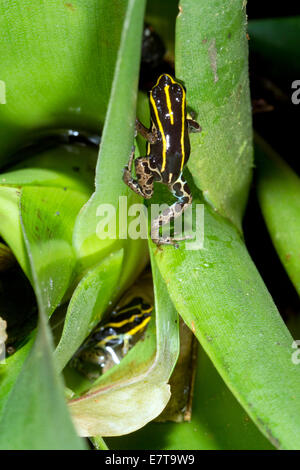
<point x="136" y="391"/>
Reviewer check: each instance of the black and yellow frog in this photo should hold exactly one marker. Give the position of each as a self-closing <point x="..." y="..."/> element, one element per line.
<point x="168" y="151"/>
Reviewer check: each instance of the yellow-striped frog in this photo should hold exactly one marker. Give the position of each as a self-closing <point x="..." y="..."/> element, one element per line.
<point x="109" y="342"/>
<point x="168" y="151"/>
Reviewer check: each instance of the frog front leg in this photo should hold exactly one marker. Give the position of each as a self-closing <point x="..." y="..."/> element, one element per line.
<point x="182" y="192"/>
<point x="143" y="185"/>
<point x="150" y="136"/>
<point x="193" y="126"/>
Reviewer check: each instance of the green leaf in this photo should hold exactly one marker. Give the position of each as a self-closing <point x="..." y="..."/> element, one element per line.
<point x="218" y="421"/>
<point x="35" y="415"/>
<point x="91" y="298"/>
<point x="134" y="392"/>
<point x="59" y="76"/>
<point x="212" y="60"/>
<point x="278" y="189"/>
<point x="65" y="166"/>
<point x="38" y="390"/>
<point x="109" y="184"/>
<point x="48" y="216"/>
<point x="224" y="301"/>
<point x="57" y="103"/>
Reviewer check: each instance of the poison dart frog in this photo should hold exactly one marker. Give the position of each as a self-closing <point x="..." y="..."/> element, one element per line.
<point x="109" y="342"/>
<point x="168" y="151"/>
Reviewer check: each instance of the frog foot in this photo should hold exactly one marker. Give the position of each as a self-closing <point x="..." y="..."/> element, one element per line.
<point x="167" y="240"/>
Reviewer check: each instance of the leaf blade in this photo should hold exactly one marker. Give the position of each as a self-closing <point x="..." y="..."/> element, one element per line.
<point x="212" y="59"/>
<point x="278" y="190"/>
<point x="225" y="303"/>
<point x="37" y="393"/>
<point x="87" y="305"/>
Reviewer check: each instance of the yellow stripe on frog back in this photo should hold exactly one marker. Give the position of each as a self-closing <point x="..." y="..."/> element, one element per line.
<point x="182" y="119"/>
<point x="167" y="93"/>
<point x="139" y="327"/>
<point x="172" y="119"/>
<point x="161" y="131"/>
<point x="182" y="127"/>
<point x="119" y="324"/>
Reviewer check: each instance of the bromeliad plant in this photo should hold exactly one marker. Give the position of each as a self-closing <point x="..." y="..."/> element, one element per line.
<point x="80" y="75"/>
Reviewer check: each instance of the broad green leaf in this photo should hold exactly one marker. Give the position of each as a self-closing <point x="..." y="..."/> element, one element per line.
<point x="218" y="421"/>
<point x="38" y="391"/>
<point x="48" y="215"/>
<point x="89" y="302"/>
<point x="222" y="298"/>
<point x="212" y="60"/>
<point x="278" y="189"/>
<point x="44" y="106"/>
<point x="275" y="41"/>
<point x="134" y="392"/>
<point x="65" y="166"/>
<point x="116" y="143"/>
<point x="35" y="415"/>
<point x="57" y="76"/>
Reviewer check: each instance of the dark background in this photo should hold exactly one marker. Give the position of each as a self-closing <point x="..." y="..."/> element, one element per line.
<point x="280" y="128"/>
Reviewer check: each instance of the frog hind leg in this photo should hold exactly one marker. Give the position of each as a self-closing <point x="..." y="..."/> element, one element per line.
<point x="182" y="192"/>
<point x="143" y="185"/>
